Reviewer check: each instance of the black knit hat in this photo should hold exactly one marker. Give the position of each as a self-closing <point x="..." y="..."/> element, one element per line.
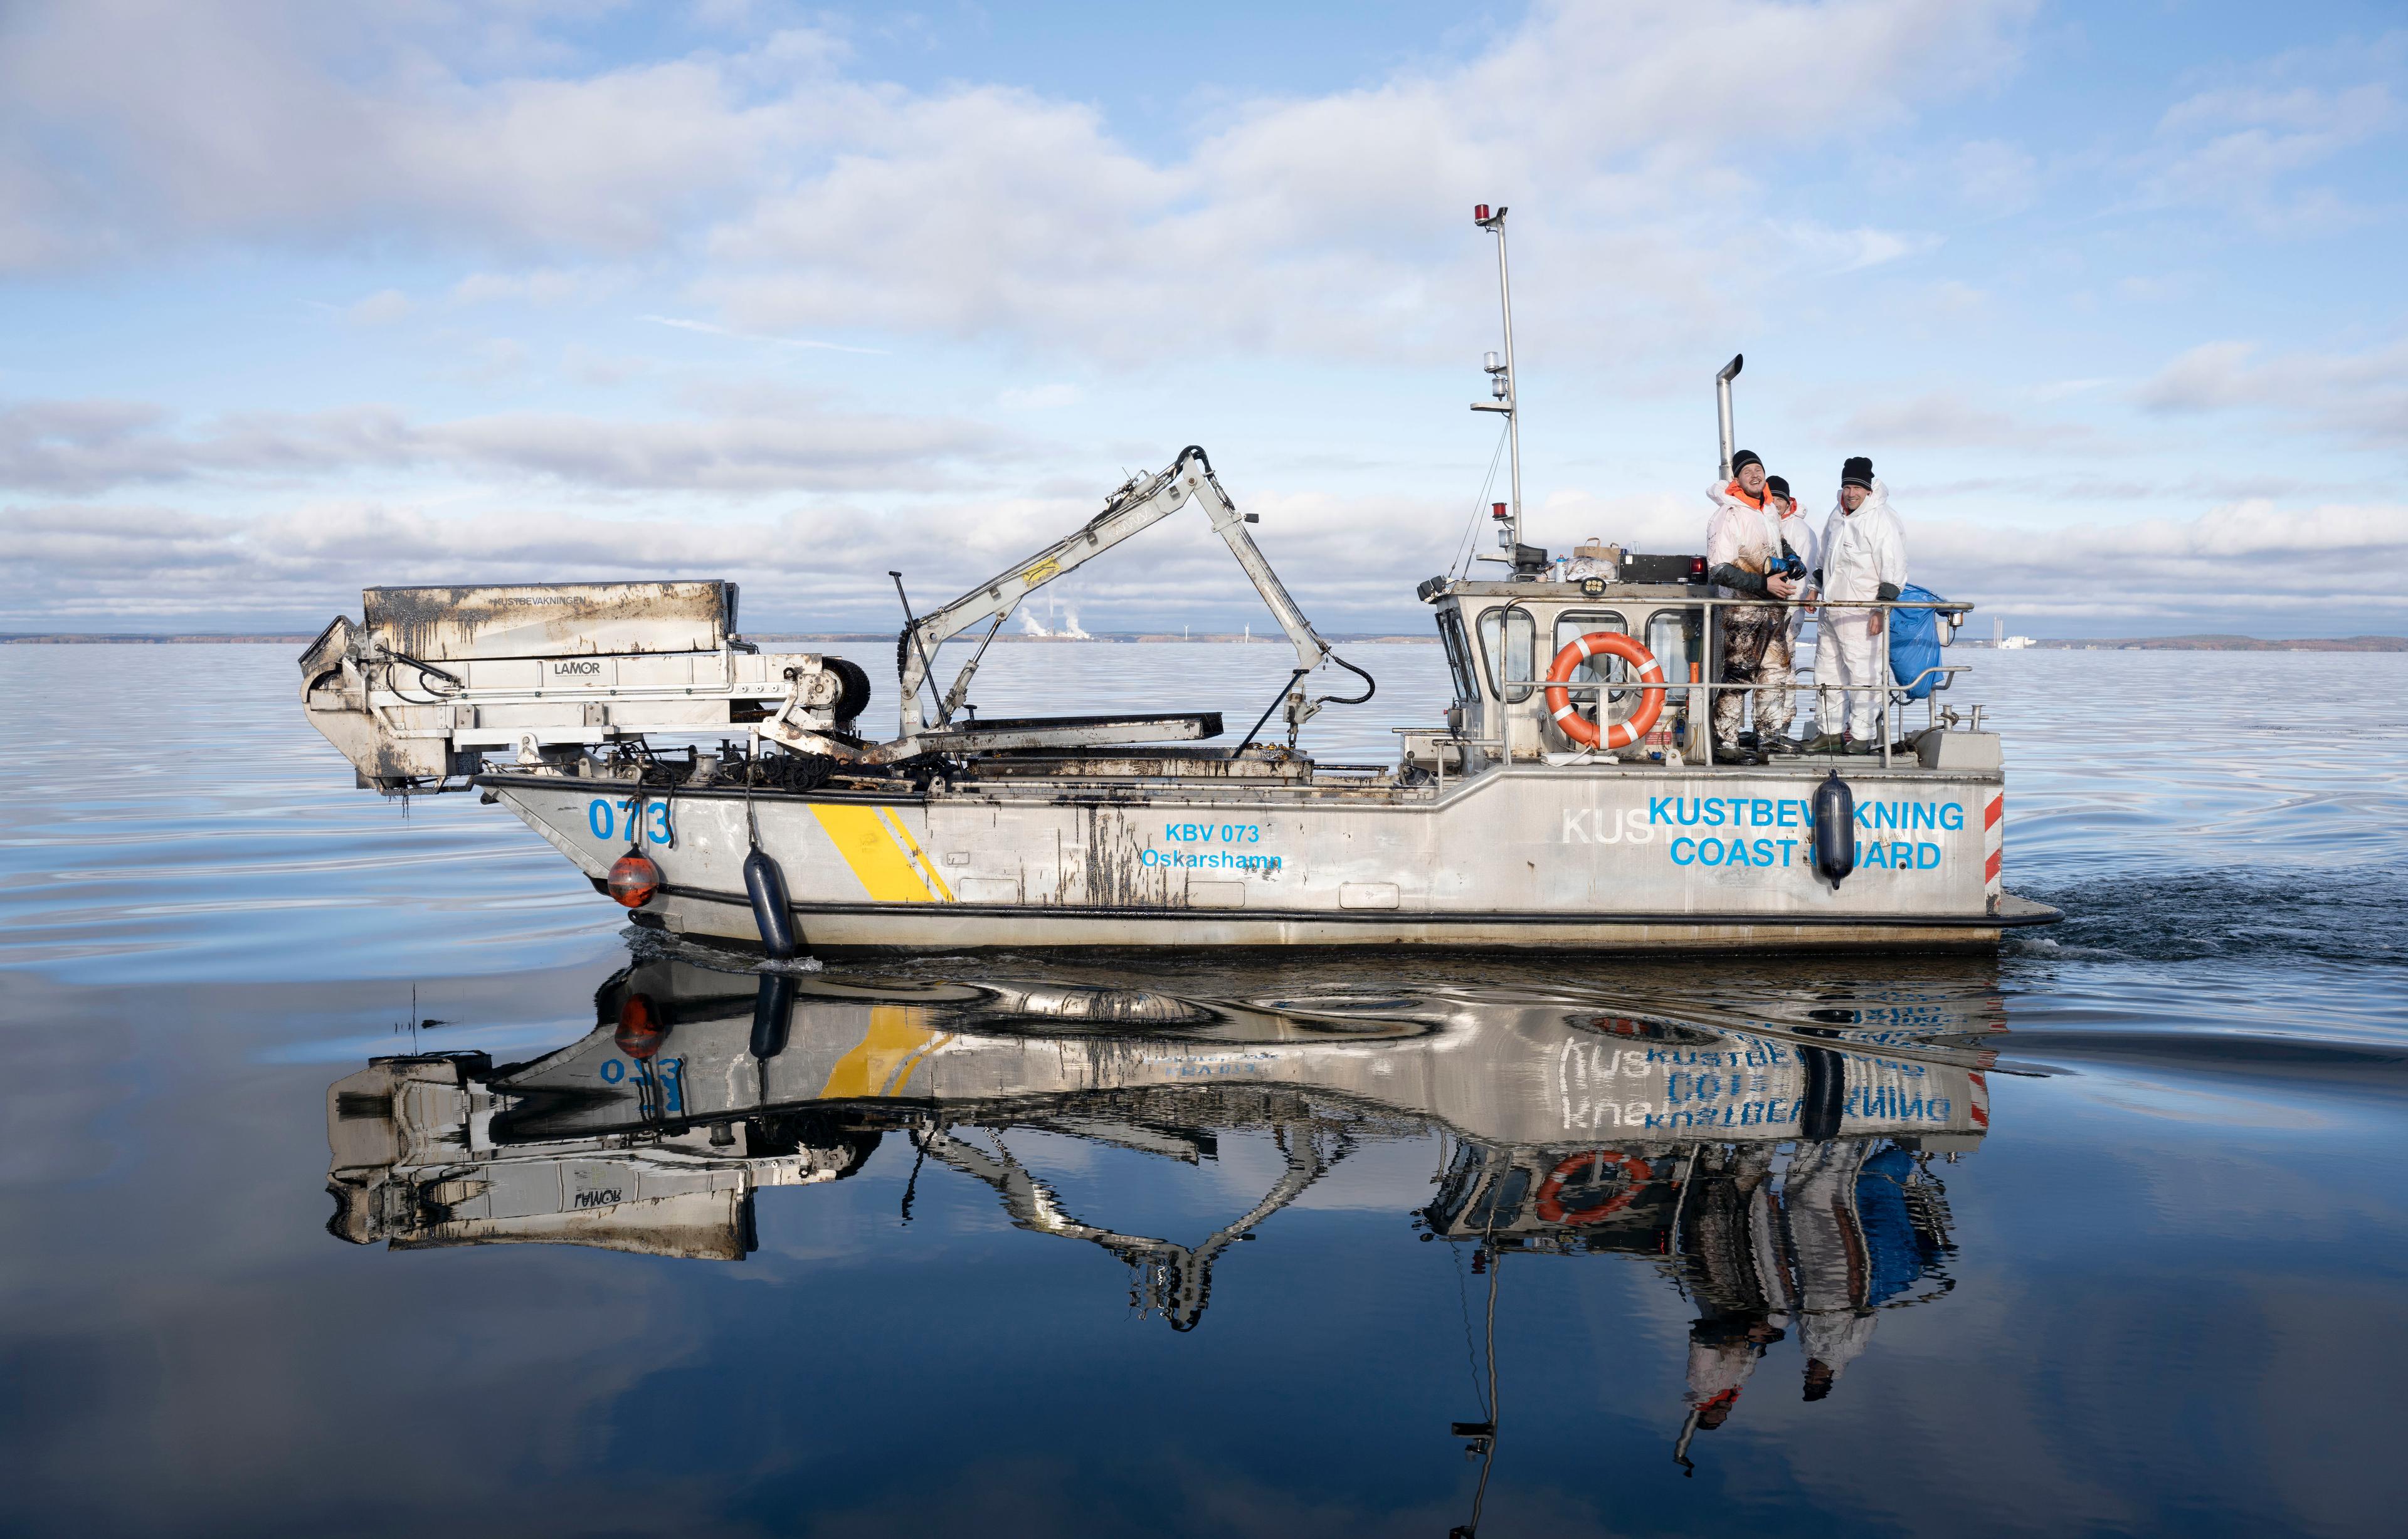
<point x="1779" y="487"/>
<point x="1858" y="471"/>
<point x="1743" y="459"/>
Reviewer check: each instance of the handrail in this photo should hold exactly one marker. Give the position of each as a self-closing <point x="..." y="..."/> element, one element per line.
<point x="1893" y="693"/>
<point x="1662" y="602"/>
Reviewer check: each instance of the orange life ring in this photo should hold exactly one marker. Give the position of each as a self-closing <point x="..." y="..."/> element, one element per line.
<point x="1551" y="1194"/>
<point x="1579" y="729"/>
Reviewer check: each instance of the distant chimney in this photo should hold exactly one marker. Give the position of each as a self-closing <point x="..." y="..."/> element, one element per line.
<point x="1998" y="629"/>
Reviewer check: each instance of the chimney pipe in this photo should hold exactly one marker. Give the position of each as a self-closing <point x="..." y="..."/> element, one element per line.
<point x="1722" y="407"/>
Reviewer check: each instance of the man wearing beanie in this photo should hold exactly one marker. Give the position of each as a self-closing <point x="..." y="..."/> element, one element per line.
<point x="1798" y="533"/>
<point x="1744" y="558"/>
<point x="1864" y="558"/>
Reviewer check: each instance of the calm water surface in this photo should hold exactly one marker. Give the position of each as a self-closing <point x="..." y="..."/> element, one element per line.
<point x="2102" y="1236"/>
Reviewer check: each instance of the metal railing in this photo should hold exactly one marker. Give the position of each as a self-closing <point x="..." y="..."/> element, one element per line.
<point x="1700" y="713"/>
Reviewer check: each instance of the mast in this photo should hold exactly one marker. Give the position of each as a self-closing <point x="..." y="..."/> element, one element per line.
<point x="1502" y="381"/>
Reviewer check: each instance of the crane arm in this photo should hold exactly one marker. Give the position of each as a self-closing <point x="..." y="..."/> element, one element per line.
<point x="1137" y="507"/>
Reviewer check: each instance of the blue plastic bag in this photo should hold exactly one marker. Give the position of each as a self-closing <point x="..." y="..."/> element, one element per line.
<point x="1915" y="642"/>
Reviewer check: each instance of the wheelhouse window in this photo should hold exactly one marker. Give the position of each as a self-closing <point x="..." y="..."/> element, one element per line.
<point x="1602" y="669"/>
<point x="1509" y="639"/>
<point x="1459" y="656"/>
<point x="1673" y="637"/>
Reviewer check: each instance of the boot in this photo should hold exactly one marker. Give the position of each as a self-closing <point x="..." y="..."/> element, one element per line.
<point x="1829" y="742"/>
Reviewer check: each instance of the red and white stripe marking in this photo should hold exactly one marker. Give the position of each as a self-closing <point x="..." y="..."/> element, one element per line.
<point x="1994" y="843"/>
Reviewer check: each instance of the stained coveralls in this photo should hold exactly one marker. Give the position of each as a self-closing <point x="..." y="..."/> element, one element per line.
<point x="1863" y="557"/>
<point x="1743" y="550"/>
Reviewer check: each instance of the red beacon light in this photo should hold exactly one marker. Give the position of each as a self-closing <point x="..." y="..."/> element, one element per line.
<point x="1497" y="511"/>
<point x="1697" y="568"/>
<point x="634" y="879"/>
<point x="1480" y="213"/>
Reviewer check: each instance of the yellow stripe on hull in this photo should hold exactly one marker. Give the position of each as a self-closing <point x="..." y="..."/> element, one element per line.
<point x="877" y="857"/>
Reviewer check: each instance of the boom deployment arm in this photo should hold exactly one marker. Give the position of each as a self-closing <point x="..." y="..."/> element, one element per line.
<point x="1138" y="506"/>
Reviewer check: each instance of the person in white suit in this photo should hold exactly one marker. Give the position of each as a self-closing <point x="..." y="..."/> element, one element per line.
<point x="1864" y="559"/>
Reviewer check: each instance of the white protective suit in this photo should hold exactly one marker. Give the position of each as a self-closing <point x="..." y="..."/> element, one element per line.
<point x="1739" y="534"/>
<point x="1861" y="551"/>
<point x="1807" y="545"/>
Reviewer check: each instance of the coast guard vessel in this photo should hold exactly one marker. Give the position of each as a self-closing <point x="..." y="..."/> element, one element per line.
<point x="1576" y="804"/>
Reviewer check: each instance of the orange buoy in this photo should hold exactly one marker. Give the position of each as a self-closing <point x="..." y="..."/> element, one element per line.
<point x="1579" y="729"/>
<point x="633" y="878"/>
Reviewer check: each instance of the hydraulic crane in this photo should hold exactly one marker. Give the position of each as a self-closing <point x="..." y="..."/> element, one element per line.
<point x="1137" y="505"/>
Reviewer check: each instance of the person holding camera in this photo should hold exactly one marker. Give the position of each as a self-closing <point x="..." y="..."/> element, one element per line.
<point x="1745" y="558"/>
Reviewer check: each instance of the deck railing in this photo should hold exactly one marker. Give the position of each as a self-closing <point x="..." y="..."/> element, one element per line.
<point x="1701" y="708"/>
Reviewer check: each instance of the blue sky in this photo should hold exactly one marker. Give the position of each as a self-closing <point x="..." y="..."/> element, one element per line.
<point x="295" y="299"/>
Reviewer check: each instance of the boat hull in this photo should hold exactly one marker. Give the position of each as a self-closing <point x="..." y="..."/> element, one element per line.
<point x="1579" y="858"/>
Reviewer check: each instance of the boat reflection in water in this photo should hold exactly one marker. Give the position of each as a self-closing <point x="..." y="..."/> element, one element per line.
<point x="1778" y="1170"/>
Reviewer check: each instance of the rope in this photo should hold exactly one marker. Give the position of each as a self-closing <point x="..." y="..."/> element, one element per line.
<point x="1463" y="554"/>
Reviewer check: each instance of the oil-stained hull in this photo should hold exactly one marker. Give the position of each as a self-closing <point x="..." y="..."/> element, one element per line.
<point x="1590" y="858"/>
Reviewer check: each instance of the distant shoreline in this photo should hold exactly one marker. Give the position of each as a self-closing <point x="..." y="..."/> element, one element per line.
<point x="76" y="638"/>
<point x="2127" y="644"/>
<point x="2210" y="643"/>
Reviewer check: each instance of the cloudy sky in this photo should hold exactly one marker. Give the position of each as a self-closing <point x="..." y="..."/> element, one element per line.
<point x="296" y="299"/>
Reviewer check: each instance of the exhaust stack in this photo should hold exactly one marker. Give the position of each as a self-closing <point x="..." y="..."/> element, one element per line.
<point x="1722" y="406"/>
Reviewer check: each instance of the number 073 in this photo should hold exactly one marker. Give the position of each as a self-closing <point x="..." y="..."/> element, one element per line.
<point x="606" y="817"/>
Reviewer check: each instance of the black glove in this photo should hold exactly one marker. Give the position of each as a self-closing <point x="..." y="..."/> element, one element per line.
<point x="1739" y="578"/>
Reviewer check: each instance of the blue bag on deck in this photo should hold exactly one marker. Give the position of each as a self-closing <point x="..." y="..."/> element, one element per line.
<point x="1914" y="641"/>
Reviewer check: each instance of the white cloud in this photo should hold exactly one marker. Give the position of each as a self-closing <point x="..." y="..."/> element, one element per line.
<point x="1329" y="224"/>
<point x="495" y="358"/>
<point x="2253" y="559"/>
<point x="2362" y="397"/>
<point x="1993" y="177"/>
<point x="284" y="120"/>
<point x="739" y="446"/>
<point x="543" y="286"/>
<point x="1038" y="398"/>
<point x="1333" y="224"/>
<point x="711" y="328"/>
<point x="2239" y="148"/>
<point x="588" y="366"/>
<point x="799" y="208"/>
<point x="381" y="309"/>
<point x="1948" y="419"/>
<point x="823" y="566"/>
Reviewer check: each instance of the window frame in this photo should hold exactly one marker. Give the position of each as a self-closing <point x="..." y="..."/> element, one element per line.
<point x="1451" y="637"/>
<point x="1498" y="667"/>
<point x="1572" y="623"/>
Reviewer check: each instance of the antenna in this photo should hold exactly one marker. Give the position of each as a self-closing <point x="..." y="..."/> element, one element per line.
<point x="1502" y="383"/>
